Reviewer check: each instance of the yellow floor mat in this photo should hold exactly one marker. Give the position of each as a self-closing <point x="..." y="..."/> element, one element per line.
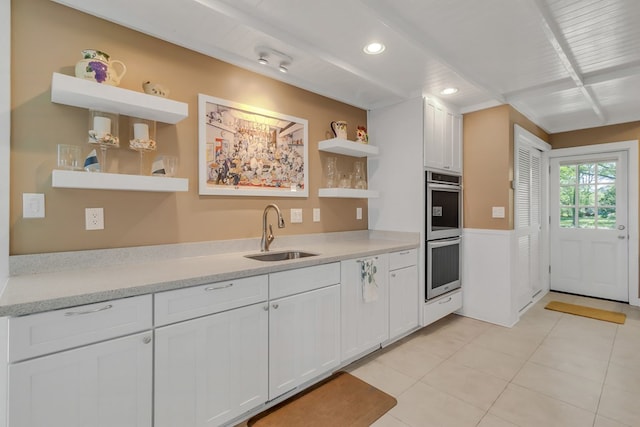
<point x="593" y="313"/>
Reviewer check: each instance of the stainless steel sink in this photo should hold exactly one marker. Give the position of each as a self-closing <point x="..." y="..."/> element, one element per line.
<point x="280" y="256"/>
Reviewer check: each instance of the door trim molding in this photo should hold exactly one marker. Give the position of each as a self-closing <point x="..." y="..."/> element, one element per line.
<point x="631" y="147"/>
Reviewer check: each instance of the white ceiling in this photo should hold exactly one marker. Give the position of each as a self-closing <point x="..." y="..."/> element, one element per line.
<point x="565" y="64"/>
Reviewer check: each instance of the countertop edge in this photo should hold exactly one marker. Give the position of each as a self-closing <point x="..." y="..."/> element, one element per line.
<point x="49" y="301"/>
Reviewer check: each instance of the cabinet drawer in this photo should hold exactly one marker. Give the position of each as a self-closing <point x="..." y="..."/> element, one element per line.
<point x="38" y="334"/>
<point x="305" y="279"/>
<point x="189" y="303"/>
<point x="442" y="306"/>
<point x="403" y="259"/>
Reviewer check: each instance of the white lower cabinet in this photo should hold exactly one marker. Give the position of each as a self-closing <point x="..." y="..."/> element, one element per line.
<point x="304" y="338"/>
<point x="211" y="369"/>
<point x="403" y="293"/>
<point x="364" y="323"/>
<point x="104" y="384"/>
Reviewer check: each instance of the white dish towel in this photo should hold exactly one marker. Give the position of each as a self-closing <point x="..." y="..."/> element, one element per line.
<point x="368" y="277"/>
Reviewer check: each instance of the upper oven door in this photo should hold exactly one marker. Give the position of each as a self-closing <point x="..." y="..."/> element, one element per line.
<point x="443" y="211"/>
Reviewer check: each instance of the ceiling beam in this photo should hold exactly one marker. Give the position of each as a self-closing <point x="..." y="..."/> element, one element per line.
<point x="559" y="44"/>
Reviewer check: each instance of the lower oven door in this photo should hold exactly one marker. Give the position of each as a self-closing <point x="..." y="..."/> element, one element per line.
<point x="443" y="266"/>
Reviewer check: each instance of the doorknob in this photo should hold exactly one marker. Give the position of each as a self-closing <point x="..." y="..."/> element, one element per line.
<point x="621" y="227"/>
<point x="622" y="237"/>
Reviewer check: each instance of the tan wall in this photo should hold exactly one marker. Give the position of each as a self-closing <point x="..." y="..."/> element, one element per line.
<point x="488" y="165"/>
<point x="47" y="38"/>
<point x="600" y="135"/>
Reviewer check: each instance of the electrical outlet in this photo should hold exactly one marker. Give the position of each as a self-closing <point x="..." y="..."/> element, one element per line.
<point x="94" y="218"/>
<point x="358" y="213"/>
<point x="316" y="214"/>
<point x="296" y="216"/>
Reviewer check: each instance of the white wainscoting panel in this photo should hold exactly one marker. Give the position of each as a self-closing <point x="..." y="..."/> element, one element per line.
<point x="488" y="292"/>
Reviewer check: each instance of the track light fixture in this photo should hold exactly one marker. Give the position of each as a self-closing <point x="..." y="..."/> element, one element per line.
<point x="265" y="53"/>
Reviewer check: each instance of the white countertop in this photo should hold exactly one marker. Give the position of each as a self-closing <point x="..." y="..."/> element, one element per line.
<point x="53" y="281"/>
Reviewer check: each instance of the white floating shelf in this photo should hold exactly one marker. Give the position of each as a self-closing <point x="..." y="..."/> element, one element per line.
<point x="350" y="193"/>
<point x="116" y="181"/>
<point x="348" y="148"/>
<point x="82" y="93"/>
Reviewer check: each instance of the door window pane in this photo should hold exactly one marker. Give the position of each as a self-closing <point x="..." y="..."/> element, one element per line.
<point x="586" y="218"/>
<point x="606" y="172"/>
<point x="567" y="196"/>
<point x="588" y="195"/>
<point x="567" y="174"/>
<point x="567" y="217"/>
<point x="606" y="195"/>
<point x="607" y="218"/>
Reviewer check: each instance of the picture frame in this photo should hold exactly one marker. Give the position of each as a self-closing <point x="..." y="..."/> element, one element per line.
<point x="250" y="151"/>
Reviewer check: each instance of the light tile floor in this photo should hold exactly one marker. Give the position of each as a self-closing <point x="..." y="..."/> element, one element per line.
<point x="551" y="369"/>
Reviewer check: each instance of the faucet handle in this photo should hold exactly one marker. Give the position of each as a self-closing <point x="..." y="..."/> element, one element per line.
<point x="270" y="236"/>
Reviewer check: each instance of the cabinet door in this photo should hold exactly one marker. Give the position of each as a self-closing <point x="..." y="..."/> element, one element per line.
<point x="403" y="300"/>
<point x="212" y="369"/>
<point x="105" y="384"/>
<point x="364" y="325"/>
<point x="442" y="139"/>
<point x="304" y="338"/>
<point x="456" y="144"/>
<point x="434" y="136"/>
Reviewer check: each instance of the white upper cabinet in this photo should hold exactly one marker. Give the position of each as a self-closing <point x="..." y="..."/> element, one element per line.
<point x="442" y="138"/>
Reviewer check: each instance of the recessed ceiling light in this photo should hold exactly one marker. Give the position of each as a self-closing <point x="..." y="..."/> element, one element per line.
<point x="449" y="91"/>
<point x="374" y="48"/>
<point x="263" y="60"/>
<point x="282" y="68"/>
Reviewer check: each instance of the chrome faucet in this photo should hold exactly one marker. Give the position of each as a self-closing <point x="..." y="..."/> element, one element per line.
<point x="268" y="238"/>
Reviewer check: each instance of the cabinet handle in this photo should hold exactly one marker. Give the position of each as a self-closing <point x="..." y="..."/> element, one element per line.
<point x="275" y="305"/>
<point x="444" y="301"/>
<point x="146" y="340"/>
<point x="393" y="274"/>
<point x="80" y="313"/>
<point x="216" y="288"/>
<point x="405" y="253"/>
<point x="266" y="307"/>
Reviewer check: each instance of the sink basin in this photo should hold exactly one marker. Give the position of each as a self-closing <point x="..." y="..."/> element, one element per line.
<point x="280" y="256"/>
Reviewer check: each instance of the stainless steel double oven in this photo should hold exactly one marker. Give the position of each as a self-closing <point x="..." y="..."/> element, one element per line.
<point x="443" y="215"/>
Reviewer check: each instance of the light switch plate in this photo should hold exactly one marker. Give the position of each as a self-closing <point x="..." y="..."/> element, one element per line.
<point x="497" y="212"/>
<point x="358" y="213"/>
<point x="32" y="205"/>
<point x="296" y="216"/>
<point x="316" y="214"/>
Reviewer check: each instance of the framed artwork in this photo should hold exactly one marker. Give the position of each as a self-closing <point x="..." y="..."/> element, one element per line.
<point x="249" y="151"/>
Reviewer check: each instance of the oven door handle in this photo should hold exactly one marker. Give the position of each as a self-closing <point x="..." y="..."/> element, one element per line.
<point x="444" y="242"/>
<point x="443" y="187"/>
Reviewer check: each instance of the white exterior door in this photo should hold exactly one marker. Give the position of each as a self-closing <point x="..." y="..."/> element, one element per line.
<point x="588" y="225"/>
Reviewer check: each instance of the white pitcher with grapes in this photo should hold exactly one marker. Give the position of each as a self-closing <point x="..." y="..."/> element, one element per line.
<point x="97" y="66"/>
